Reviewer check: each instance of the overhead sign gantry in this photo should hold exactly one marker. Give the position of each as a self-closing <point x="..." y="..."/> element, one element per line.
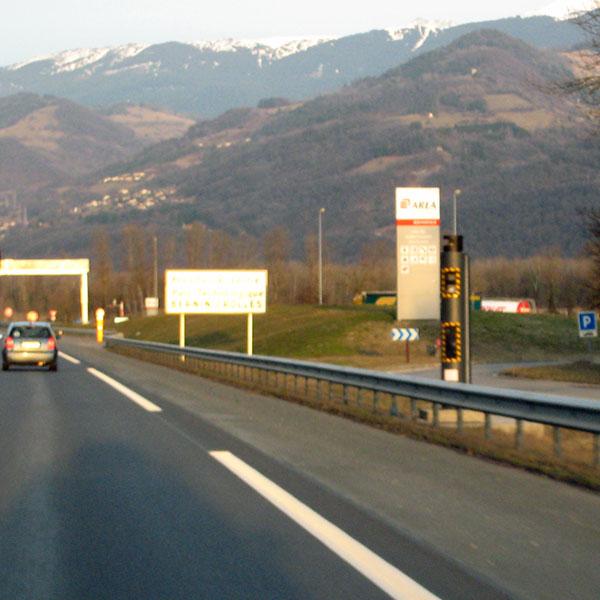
<point x="79" y="267"/>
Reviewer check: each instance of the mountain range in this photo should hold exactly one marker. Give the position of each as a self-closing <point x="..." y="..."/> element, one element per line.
<point x="206" y="79"/>
<point x="47" y="141"/>
<point x="479" y="114"/>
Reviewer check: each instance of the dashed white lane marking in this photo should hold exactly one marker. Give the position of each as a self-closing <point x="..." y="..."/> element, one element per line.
<point x="133" y="396"/>
<point x="69" y="358"/>
<point x="384" y="575"/>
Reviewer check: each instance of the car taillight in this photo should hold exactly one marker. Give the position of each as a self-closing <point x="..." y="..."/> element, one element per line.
<point x="9" y="343"/>
<point x="51" y="344"/>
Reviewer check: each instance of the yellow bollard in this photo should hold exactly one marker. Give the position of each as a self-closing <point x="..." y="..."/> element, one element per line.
<point x="99" y="325"/>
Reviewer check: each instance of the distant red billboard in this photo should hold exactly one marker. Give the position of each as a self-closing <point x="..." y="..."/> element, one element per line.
<point x="520" y="306"/>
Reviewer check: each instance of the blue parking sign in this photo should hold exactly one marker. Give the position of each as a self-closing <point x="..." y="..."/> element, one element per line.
<point x="588" y="324"/>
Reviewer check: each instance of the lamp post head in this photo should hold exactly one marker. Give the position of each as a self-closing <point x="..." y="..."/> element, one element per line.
<point x="457" y="192"/>
<point x="321" y="210"/>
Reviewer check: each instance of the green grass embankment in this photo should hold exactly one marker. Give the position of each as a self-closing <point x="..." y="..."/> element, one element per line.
<point x="360" y="336"/>
<point x="580" y="371"/>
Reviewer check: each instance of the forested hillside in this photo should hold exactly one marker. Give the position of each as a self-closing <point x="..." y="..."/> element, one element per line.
<point x="479" y="115"/>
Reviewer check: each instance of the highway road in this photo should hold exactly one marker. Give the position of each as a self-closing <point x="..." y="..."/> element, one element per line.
<point x="121" y="479"/>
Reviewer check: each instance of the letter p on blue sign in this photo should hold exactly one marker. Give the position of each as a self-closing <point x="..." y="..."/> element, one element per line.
<point x="588" y="324"/>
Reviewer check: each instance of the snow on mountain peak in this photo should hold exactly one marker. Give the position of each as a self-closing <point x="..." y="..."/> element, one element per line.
<point x="563" y="9"/>
<point x="424" y="29"/>
<point x="290" y="47"/>
<point x="73" y="60"/>
<point x="274" y="48"/>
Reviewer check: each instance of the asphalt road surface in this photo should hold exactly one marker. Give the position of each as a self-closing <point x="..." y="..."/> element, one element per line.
<point x="491" y="375"/>
<point x="121" y="479"/>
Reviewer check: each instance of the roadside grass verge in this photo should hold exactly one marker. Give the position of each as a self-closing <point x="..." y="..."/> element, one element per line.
<point x="500" y="337"/>
<point x="361" y="335"/>
<point x="535" y="450"/>
<point x="581" y="371"/>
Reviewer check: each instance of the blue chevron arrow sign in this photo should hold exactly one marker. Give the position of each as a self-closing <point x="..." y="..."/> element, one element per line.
<point x="406" y="334"/>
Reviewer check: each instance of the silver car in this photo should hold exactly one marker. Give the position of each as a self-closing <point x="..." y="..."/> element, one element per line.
<point x="30" y="343"/>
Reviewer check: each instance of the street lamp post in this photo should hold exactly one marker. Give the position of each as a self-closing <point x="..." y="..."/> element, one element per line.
<point x="321" y="211"/>
<point x="455" y="195"/>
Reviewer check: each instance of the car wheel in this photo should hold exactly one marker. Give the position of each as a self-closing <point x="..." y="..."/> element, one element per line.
<point x="5" y="366"/>
<point x="53" y="367"/>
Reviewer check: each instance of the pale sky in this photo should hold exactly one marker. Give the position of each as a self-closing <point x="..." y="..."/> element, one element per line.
<point x="39" y="27"/>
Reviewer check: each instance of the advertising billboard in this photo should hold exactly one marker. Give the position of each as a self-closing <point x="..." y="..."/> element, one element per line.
<point x="521" y="306"/>
<point x="215" y="292"/>
<point x="418" y="253"/>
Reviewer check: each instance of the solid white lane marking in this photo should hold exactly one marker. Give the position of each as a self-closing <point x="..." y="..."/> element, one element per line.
<point x="133" y="396"/>
<point x="69" y="358"/>
<point x="384" y="575"/>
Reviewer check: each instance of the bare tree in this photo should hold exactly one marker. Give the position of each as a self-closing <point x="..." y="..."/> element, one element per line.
<point x="137" y="257"/>
<point x="309" y="293"/>
<point x="587" y="87"/>
<point x="593" y="224"/>
<point x="102" y="267"/>
<point x="586" y="83"/>
<point x="277" y="246"/>
<point x="195" y="245"/>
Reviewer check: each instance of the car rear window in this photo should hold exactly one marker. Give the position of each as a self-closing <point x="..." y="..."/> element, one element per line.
<point x="31" y="332"/>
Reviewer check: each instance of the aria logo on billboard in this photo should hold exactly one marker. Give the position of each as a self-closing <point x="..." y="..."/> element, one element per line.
<point x="418" y="204"/>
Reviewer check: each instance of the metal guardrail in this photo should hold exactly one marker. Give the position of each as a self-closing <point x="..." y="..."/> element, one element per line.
<point x="558" y="411"/>
<point x="89" y="331"/>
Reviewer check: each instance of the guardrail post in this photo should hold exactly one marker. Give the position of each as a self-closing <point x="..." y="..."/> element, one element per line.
<point x="519" y="434"/>
<point x="344" y="393"/>
<point x="556" y="433"/>
<point x="329" y="390"/>
<point x="487" y="427"/>
<point x="436" y="415"/>
<point x="318" y="382"/>
<point x="413" y="409"/>
<point x="596" y="450"/>
<point x="394" y="406"/>
<point x="459" y="420"/>
<point x="375" y="400"/>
